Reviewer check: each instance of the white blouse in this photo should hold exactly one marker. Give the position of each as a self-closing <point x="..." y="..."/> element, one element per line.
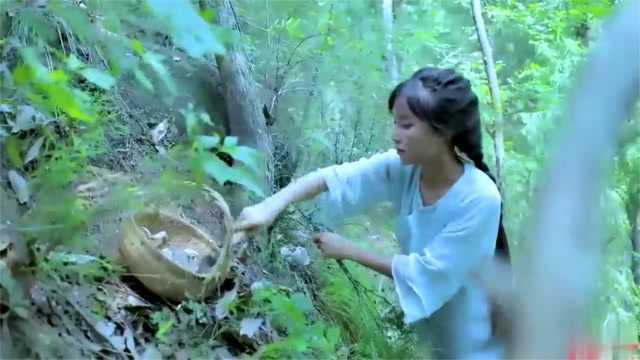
<point x="442" y="245"/>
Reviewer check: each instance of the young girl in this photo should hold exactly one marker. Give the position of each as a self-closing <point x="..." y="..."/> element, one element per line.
<point x="448" y="212"/>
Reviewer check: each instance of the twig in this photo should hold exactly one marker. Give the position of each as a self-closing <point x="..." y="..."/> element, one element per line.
<point x="64" y="51"/>
<point x="235" y="16"/>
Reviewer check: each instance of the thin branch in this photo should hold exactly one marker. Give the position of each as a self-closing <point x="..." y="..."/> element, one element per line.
<point x="489" y="64"/>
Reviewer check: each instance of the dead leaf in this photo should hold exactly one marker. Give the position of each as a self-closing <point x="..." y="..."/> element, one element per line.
<point x="249" y="326"/>
<point x="107" y="330"/>
<point x="34" y="150"/>
<point x="5" y="241"/>
<point x="151" y="353"/>
<point x="20" y="185"/>
<point x="130" y="342"/>
<point x="223" y="305"/>
<point x="27" y="118"/>
<point x="159" y="132"/>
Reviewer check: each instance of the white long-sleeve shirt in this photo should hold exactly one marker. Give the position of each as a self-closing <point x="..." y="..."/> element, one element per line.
<point x="442" y="245"/>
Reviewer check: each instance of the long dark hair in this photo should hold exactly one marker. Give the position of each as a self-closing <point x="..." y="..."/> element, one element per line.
<point x="443" y="99"/>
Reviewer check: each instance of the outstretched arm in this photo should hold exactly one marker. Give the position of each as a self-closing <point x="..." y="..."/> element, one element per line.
<point x="265" y="212"/>
<point x="335" y="246"/>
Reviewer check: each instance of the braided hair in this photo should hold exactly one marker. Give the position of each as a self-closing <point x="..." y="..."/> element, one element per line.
<point x="444" y="100"/>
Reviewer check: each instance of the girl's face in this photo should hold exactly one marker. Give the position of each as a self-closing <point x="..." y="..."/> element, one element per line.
<point x="414" y="139"/>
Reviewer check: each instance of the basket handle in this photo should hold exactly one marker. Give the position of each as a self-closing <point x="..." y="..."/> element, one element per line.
<point x="223" y="263"/>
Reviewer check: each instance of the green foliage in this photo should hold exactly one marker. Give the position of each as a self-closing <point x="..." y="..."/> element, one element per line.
<point x="376" y="330"/>
<point x="292" y="314"/>
<point x="164" y="322"/>
<point x="189" y="29"/>
<point x="76" y="267"/>
<point x="208" y="151"/>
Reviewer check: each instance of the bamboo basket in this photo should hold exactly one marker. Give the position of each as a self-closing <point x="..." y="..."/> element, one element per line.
<point x="147" y="260"/>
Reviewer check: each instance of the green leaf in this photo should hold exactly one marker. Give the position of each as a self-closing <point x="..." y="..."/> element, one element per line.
<point x="164" y="328"/>
<point x="216" y="168"/>
<point x="243" y="176"/>
<point x="143" y="79"/>
<point x="189" y="30"/>
<point x="99" y="78"/>
<point x="230" y="141"/>
<point x="208" y="142"/>
<point x="208" y="15"/>
<point x="137" y="47"/>
<point x="73" y="63"/>
<point x="221" y="172"/>
<point x="12" y="148"/>
<point x="250" y="157"/>
<point x="155" y="62"/>
<point x="302" y="302"/>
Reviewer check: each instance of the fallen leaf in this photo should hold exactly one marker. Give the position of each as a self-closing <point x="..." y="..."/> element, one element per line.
<point x="117" y="342"/>
<point x="27" y="118"/>
<point x="151" y="353"/>
<point x="259" y="285"/>
<point x="20" y="185"/>
<point x="159" y="132"/>
<point x="73" y="258"/>
<point x="105" y="328"/>
<point x="249" y="326"/>
<point x="130" y="342"/>
<point x="34" y="150"/>
<point x="99" y="77"/>
<point x="135" y="301"/>
<point x="223" y="305"/>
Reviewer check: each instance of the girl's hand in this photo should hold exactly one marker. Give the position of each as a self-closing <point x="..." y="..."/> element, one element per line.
<point x="334" y="246"/>
<point x="254" y="217"/>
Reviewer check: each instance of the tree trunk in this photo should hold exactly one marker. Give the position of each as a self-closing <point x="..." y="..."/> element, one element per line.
<point x="245" y="119"/>
<point x="392" y="63"/>
<point x="489" y="64"/>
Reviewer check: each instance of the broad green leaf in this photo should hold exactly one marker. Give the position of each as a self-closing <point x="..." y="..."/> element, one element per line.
<point x="73" y="63"/>
<point x="143" y="79"/>
<point x="243" y="176"/>
<point x="230" y="141"/>
<point x="221" y="172"/>
<point x="209" y="15"/>
<point x="302" y="302"/>
<point x="250" y="157"/>
<point x="216" y="168"/>
<point x="208" y="142"/>
<point x="164" y="328"/>
<point x="189" y="30"/>
<point x="137" y="47"/>
<point x="12" y="148"/>
<point x="99" y="77"/>
<point x="155" y="62"/>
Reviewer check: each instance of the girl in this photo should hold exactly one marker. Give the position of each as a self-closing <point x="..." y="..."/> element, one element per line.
<point x="448" y="210"/>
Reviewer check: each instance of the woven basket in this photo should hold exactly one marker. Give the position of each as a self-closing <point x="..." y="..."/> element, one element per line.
<point x="161" y="275"/>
